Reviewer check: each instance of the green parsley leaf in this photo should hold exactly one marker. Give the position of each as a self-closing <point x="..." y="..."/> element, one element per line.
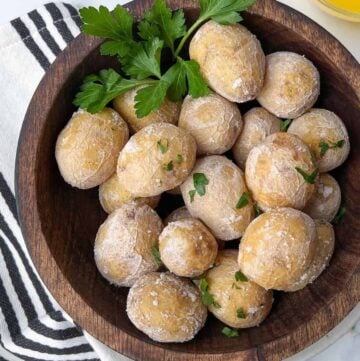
<point x="143" y="60"/>
<point x="161" y="22"/>
<point x="224" y="12"/>
<point x="156" y="253"/>
<point x="258" y="210"/>
<point x="179" y="159"/>
<point x="98" y="90"/>
<point x="324" y="147"/>
<point x="192" y="195"/>
<point x="240" y="313"/>
<point x="339" y="216"/>
<point x="206" y="297"/>
<point x="243" y="200"/>
<point x="176" y="77"/>
<point x="230" y="332"/>
<point x="169" y="166"/>
<point x="196" y="83"/>
<point x="163" y="145"/>
<point x="150" y="98"/>
<point x="200" y="181"/>
<point x="284" y="125"/>
<point x="102" y="23"/>
<point x="309" y="178"/>
<point x="239" y="276"/>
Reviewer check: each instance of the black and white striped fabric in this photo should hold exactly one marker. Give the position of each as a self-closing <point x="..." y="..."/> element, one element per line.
<point x="32" y="325"/>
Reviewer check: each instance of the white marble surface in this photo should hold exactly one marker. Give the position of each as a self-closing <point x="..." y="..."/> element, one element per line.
<point x="343" y="342"/>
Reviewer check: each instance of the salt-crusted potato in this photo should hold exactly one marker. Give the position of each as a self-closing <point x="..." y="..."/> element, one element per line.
<point x="242" y="303"/>
<point x="217" y="208"/>
<point x="258" y="124"/>
<point x="187" y="247"/>
<point x="325" y="243"/>
<point x="157" y="158"/>
<point x="321" y="128"/>
<point x="325" y="202"/>
<point x="87" y="148"/>
<point x="123" y="244"/>
<point x="271" y="173"/>
<point x="291" y="86"/>
<point x="112" y="196"/>
<point x="166" y="308"/>
<point x="125" y="105"/>
<point x="278" y="248"/>
<point x="231" y="60"/>
<point x="213" y="121"/>
<point x="177" y="215"/>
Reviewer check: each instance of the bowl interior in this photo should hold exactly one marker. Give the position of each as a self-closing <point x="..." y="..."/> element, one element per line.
<point x="70" y="217"/>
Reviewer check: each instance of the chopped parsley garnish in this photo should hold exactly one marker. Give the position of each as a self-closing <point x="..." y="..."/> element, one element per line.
<point x="179" y="159"/>
<point x="156" y="253"/>
<point x="243" y="200"/>
<point x="339" y="216"/>
<point x="240" y="313"/>
<point x="239" y="276"/>
<point x="284" y="125"/>
<point x="324" y="147"/>
<point x="163" y="145"/>
<point x="258" y="211"/>
<point x="169" y="166"/>
<point x="309" y="178"/>
<point x="230" y="332"/>
<point x="206" y="297"/>
<point x="200" y="181"/>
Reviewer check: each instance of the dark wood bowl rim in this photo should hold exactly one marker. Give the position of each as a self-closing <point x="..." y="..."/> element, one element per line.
<point x="130" y="345"/>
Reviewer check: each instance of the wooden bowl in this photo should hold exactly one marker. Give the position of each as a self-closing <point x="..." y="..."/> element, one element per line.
<point x="59" y="222"/>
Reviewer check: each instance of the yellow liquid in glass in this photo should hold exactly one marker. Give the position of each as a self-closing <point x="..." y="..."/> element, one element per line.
<point x="347" y="5"/>
<point x="344" y="9"/>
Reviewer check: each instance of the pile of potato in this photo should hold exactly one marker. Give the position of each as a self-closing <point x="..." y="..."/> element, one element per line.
<point x="180" y="149"/>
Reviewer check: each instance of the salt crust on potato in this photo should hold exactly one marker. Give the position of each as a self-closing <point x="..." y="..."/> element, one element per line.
<point x="231" y="60"/>
<point x="166" y="307"/>
<point x="278" y="248"/>
<point x="242" y="303"/>
<point x="88" y="147"/>
<point x="217" y="207"/>
<point x="157" y="158"/>
<point x="123" y="244"/>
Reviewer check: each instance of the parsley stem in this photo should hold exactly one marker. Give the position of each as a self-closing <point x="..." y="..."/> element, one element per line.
<point x="188" y="33"/>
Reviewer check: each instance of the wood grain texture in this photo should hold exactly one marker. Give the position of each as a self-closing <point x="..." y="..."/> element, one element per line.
<point x="59" y="223"/>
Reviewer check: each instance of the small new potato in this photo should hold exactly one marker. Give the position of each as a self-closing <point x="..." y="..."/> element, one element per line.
<point x="157" y="158"/>
<point x="325" y="134"/>
<point x="242" y="304"/>
<point x="87" y="148"/>
<point x="291" y="86"/>
<point x="187" y="247"/>
<point x="124" y="242"/>
<point x="325" y="243"/>
<point x="325" y="202"/>
<point x="213" y="121"/>
<point x="112" y="196"/>
<point x="272" y="172"/>
<point x="125" y="105"/>
<point x="165" y="307"/>
<point x="177" y="215"/>
<point x="258" y="124"/>
<point x="223" y="184"/>
<point x="231" y="60"/>
<point x="278" y="248"/>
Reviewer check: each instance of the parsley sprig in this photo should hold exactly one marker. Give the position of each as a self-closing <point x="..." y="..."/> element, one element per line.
<point x="230" y="332"/>
<point x="243" y="200"/>
<point x="200" y="181"/>
<point x="141" y="54"/>
<point x="156" y="254"/>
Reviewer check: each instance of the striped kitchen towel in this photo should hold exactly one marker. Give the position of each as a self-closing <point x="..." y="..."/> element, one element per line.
<point x="32" y="325"/>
